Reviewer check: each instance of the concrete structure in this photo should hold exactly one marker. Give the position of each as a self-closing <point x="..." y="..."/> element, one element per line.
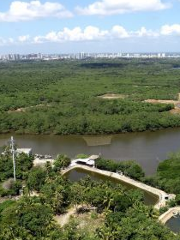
<point x="169" y="214"/>
<point x="163" y="197"/>
<point x="27" y="151"/>
<point x="90" y="161"/>
<point x="42" y="162"/>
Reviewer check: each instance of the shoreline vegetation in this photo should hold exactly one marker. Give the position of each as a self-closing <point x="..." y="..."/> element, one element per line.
<point x="63" y="97"/>
<point x="47" y="195"/>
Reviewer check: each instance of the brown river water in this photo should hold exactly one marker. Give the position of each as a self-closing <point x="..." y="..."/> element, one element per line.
<point x="147" y="148"/>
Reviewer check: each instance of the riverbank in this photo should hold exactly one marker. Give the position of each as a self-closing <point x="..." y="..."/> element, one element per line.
<point x="163" y="197"/>
<point x="147" y="148"/>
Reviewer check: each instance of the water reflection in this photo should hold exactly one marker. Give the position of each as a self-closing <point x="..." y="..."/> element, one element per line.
<point x="147" y="148"/>
<point x="174" y="224"/>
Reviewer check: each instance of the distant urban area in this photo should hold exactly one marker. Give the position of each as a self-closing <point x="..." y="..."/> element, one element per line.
<point x="83" y="55"/>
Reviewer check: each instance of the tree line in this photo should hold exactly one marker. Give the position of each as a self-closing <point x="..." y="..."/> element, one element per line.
<point x="63" y="97"/>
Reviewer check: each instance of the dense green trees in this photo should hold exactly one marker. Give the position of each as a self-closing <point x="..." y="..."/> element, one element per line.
<point x="27" y="219"/>
<point x="23" y="164"/>
<point x="36" y="178"/>
<point x="62" y="161"/>
<point x="52" y="100"/>
<point x="167" y="178"/>
<point x="123" y="211"/>
<point x="56" y="192"/>
<point x="133" y="225"/>
<point x="168" y="173"/>
<point x="128" y="168"/>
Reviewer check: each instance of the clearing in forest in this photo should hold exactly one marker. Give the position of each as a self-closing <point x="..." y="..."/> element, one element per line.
<point x="86" y="220"/>
<point x="176" y="103"/>
<point x="113" y="96"/>
<point x="162" y="101"/>
<point x="27" y="108"/>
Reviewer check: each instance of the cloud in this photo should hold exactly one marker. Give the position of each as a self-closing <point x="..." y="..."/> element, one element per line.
<point x="92" y="33"/>
<point x="119" y="32"/>
<point x="143" y="32"/>
<point x="106" y="7"/>
<point x="170" y="29"/>
<point x="76" y="34"/>
<point x="23" y="11"/>
<point x="4" y="41"/>
<point x="24" y="38"/>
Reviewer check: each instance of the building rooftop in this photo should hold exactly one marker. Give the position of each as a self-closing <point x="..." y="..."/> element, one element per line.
<point x="27" y="151"/>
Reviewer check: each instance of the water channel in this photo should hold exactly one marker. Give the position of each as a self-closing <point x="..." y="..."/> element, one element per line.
<point x="147" y="148"/>
<point x="174" y="224"/>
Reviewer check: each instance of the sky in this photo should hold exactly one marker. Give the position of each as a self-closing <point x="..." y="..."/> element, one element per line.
<point x="71" y="26"/>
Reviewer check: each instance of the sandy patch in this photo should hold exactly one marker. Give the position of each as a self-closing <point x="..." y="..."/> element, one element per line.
<point x="18" y="110"/>
<point x="154" y="101"/>
<point x="176" y="104"/>
<point x="113" y="96"/>
<point x="27" y="108"/>
<point x="42" y="162"/>
<point x="175" y="111"/>
<point x="64" y="218"/>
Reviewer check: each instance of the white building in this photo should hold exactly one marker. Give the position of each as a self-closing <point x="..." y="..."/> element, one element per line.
<point x="90" y="161"/>
<point x="27" y="151"/>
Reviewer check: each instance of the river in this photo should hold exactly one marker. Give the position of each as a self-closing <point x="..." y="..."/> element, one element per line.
<point x="147" y="148"/>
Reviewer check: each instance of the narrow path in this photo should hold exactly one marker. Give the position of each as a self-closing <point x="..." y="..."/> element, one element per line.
<point x="163" y="196"/>
<point x="64" y="218"/>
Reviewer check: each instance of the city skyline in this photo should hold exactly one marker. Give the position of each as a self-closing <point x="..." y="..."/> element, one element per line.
<point x="84" y="56"/>
<point x="57" y="26"/>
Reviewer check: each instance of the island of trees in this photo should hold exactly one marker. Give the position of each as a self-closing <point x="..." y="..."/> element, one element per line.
<point x="103" y="210"/>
